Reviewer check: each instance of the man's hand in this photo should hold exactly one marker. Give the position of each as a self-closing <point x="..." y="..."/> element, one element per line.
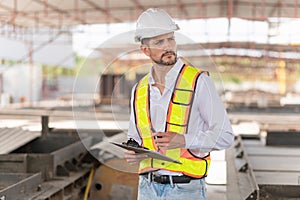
<point x="134" y="158"/>
<point x="169" y="140"/>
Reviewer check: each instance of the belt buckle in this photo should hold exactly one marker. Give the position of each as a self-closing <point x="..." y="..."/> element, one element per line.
<point x="155" y="177"/>
<point x="158" y="178"/>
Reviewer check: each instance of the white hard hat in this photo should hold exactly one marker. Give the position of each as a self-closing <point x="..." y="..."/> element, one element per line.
<point x="154" y="22"/>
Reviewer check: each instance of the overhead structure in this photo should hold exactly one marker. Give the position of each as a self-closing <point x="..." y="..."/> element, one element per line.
<point x="59" y="17"/>
<point x="66" y="13"/>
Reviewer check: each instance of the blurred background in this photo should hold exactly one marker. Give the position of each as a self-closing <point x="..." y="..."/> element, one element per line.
<point x="66" y="72"/>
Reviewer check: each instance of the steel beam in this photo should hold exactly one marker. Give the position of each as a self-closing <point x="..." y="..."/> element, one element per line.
<point x="105" y="11"/>
<point x="241" y="181"/>
<point x="22" y="185"/>
<point x="60" y="11"/>
<point x="283" y="138"/>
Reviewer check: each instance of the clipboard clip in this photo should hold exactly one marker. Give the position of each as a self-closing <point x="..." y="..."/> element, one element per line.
<point x="132" y="143"/>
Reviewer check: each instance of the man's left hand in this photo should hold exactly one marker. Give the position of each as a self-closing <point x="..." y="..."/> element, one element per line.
<point x="169" y="140"/>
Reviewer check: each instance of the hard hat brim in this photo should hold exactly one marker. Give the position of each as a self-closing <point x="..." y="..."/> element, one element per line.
<point x="153" y="32"/>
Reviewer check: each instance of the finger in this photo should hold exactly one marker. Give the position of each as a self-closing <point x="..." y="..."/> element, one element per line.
<point x="161" y="134"/>
<point x="161" y="144"/>
<point x="154" y="134"/>
<point x="141" y="155"/>
<point x="164" y="147"/>
<point x="136" y="159"/>
<point x="132" y="162"/>
<point x="158" y="134"/>
<point x="162" y="140"/>
<point x="135" y="156"/>
<point x="129" y="156"/>
<point x="129" y="152"/>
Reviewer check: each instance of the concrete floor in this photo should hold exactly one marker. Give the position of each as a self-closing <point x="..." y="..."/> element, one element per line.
<point x="216" y="179"/>
<point x="216" y="192"/>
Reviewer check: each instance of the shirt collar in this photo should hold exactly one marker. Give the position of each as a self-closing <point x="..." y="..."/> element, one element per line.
<point x="171" y="75"/>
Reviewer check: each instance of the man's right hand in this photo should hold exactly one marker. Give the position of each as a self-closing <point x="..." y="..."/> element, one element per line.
<point x="134" y="158"/>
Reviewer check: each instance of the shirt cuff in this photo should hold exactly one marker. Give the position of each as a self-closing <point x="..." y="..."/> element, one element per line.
<point x="191" y="141"/>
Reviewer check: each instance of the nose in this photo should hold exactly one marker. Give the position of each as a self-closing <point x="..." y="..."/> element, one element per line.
<point x="166" y="45"/>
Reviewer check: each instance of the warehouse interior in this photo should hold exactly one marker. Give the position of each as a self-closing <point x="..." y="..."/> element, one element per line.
<point x="66" y="73"/>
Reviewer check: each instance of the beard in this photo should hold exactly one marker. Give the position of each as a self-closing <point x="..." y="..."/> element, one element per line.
<point x="166" y="63"/>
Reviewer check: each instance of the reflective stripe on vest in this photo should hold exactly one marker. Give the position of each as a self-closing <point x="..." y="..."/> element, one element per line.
<point x="176" y="121"/>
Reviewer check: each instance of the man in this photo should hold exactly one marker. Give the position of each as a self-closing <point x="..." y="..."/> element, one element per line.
<point x="176" y="111"/>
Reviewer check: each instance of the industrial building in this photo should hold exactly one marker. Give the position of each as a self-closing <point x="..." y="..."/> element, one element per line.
<point x="66" y="73"/>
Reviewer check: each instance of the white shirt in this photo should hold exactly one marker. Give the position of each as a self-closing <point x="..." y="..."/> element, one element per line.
<point x="209" y="127"/>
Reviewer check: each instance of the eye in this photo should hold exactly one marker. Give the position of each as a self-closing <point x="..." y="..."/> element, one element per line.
<point x="158" y="42"/>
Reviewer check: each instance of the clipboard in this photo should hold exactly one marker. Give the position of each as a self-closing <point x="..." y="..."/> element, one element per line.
<point x="150" y="153"/>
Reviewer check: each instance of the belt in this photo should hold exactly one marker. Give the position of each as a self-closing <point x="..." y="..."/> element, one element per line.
<point x="166" y="179"/>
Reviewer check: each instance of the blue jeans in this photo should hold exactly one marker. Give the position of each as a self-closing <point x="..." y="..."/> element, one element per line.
<point x="154" y="191"/>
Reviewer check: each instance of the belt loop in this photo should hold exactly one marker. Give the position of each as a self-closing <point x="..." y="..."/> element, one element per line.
<point x="171" y="181"/>
<point x="150" y="177"/>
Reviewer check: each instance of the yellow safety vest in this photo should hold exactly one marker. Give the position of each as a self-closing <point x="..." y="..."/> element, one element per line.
<point x="176" y="121"/>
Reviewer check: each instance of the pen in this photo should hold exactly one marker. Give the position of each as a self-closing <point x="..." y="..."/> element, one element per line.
<point x="155" y="137"/>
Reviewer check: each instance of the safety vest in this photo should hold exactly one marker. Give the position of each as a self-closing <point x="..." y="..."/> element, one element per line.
<point x="176" y="121"/>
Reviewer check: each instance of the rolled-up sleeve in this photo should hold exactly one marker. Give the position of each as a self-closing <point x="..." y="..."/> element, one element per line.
<point x="213" y="131"/>
<point x="132" y="131"/>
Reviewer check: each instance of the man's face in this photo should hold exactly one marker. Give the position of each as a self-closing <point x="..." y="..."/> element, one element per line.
<point x="162" y="49"/>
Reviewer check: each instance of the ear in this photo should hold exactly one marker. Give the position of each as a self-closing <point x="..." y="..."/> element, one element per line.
<point x="145" y="49"/>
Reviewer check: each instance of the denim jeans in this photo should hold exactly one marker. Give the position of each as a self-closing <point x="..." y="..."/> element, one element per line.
<point x="195" y="190"/>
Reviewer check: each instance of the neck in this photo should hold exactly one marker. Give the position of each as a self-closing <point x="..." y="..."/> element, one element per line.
<point x="159" y="73"/>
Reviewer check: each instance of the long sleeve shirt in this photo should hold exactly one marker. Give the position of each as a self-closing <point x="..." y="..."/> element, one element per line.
<point x="209" y="127"/>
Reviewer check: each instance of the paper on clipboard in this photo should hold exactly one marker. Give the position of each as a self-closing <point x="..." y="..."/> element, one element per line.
<point x="152" y="154"/>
